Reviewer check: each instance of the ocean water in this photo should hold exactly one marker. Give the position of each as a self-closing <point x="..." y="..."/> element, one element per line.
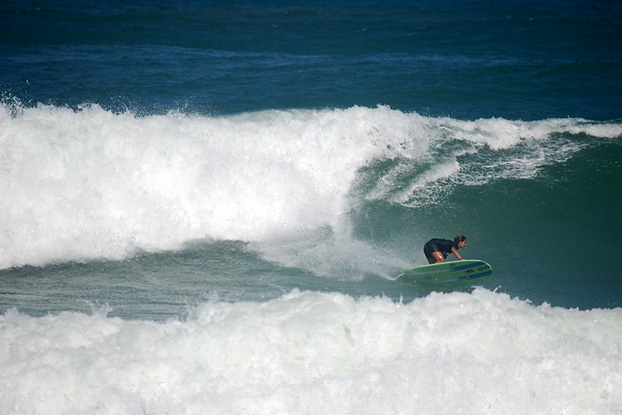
<point x="204" y="206"/>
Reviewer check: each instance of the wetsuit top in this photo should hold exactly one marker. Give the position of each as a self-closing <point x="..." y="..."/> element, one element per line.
<point x="442" y="245"/>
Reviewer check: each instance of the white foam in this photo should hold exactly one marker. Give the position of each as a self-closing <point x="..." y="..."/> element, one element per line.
<point x="480" y="353"/>
<point x="89" y="183"/>
<point x="498" y="148"/>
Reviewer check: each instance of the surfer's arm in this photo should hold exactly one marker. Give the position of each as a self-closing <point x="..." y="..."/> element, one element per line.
<point x="455" y="252"/>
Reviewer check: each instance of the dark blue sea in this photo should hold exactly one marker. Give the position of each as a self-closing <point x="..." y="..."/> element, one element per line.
<point x="204" y="206"/>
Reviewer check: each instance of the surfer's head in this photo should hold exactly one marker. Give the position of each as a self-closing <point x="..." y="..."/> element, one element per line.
<point x="460" y="240"/>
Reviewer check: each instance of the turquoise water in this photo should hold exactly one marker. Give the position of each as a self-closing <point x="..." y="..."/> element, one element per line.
<point x="205" y="205"/>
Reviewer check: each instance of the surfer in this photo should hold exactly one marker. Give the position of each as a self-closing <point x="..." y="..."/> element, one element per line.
<point x="436" y="250"/>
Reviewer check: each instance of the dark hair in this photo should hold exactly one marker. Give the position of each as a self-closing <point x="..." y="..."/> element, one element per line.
<point x="459" y="238"/>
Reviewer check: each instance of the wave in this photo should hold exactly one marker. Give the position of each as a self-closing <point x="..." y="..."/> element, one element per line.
<point x="88" y="183"/>
<point x="315" y="353"/>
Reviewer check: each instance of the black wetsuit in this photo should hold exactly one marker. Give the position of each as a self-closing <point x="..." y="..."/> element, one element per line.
<point x="441" y="245"/>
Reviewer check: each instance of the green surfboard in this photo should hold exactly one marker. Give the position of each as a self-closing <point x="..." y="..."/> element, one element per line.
<point x="468" y="271"/>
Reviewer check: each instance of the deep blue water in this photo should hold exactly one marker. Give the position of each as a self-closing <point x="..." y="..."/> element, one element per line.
<point x="525" y="60"/>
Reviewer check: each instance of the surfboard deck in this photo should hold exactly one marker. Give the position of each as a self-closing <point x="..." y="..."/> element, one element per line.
<point x="449" y="272"/>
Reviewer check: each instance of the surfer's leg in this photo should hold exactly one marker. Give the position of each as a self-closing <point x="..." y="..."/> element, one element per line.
<point x="437" y="257"/>
<point x="428" y="249"/>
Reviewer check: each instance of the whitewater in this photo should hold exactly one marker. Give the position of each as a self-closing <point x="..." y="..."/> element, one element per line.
<point x="313" y="353"/>
<point x="89" y="183"/>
